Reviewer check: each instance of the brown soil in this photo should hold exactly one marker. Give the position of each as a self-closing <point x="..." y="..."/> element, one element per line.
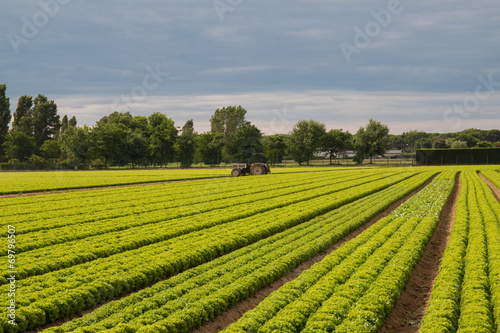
<point x="98" y="188"/>
<point x="236" y="312"/>
<point x="411" y="306"/>
<point x="495" y="189"/>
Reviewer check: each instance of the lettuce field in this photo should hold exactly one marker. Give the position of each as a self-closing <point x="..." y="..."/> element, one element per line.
<point x="323" y="249"/>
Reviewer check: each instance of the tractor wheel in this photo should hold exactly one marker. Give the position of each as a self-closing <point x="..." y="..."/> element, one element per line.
<point x="236" y="172"/>
<point x="257" y="170"/>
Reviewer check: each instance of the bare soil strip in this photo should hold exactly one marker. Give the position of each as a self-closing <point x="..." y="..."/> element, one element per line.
<point x="495" y="189"/>
<point x="27" y="194"/>
<point x="411" y="306"/>
<point x="236" y="312"/>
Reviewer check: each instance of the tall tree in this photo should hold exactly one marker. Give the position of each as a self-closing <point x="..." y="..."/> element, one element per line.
<point x="336" y="141"/>
<point x="162" y="135"/>
<point x="110" y="141"/>
<point x="23" y="116"/>
<point x="372" y="140"/>
<point x="136" y="146"/>
<point x="208" y="148"/>
<point x="245" y="143"/>
<point x="72" y="122"/>
<point x="305" y="140"/>
<point x="45" y="119"/>
<point x="275" y="147"/>
<point x="5" y="117"/>
<point x="76" y="144"/>
<point x="227" y="121"/>
<point x="64" y="124"/>
<point x="186" y="144"/>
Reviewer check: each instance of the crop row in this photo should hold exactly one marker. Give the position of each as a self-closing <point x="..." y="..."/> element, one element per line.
<point x="160" y="227"/>
<point x="84" y="202"/>
<point x="58" y="294"/>
<point x="287" y="248"/>
<point x="22" y="182"/>
<point x="466" y="294"/>
<point x="492" y="176"/>
<point x="209" y="290"/>
<point x="355" y="287"/>
<point x="134" y="218"/>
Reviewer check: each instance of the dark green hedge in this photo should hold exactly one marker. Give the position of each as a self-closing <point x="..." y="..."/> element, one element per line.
<point x="458" y="156"/>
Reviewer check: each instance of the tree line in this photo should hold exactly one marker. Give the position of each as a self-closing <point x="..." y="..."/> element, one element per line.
<point x="40" y="138"/>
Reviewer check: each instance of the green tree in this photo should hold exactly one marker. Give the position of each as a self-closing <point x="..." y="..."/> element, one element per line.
<point x="484" y="144"/>
<point x="186" y="144"/>
<point x="440" y="143"/>
<point x="23" y="116"/>
<point x="19" y="145"/>
<point x="227" y="121"/>
<point x="162" y="136"/>
<point x="64" y="124"/>
<point x="468" y="138"/>
<point x="5" y="117"/>
<point x="109" y="141"/>
<point x="50" y="149"/>
<point x="305" y="140"/>
<point x="208" y="148"/>
<point x="336" y="141"/>
<point x="245" y="143"/>
<point x="275" y="147"/>
<point x="136" y="146"/>
<point x="45" y="119"/>
<point x="76" y="145"/>
<point x="459" y="144"/>
<point x="72" y="122"/>
<point x="372" y="140"/>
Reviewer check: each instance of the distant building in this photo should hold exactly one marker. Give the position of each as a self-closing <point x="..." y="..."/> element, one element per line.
<point x="393" y="153"/>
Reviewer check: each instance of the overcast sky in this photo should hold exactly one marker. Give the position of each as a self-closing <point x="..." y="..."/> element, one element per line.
<point x="426" y="65"/>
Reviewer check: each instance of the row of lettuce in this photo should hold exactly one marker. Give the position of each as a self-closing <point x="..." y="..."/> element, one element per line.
<point x="75" y="277"/>
<point x="25" y="182"/>
<point x="355" y="287"/>
<point x="191" y="298"/>
<point x="48" y="251"/>
<point x="44" y="212"/>
<point x="151" y="204"/>
<point x="466" y="294"/>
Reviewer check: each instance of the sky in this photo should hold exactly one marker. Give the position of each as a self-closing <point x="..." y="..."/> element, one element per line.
<point x="413" y="65"/>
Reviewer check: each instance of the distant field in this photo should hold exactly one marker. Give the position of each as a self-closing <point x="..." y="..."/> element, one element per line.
<point x="21" y="182"/>
<point x="175" y="256"/>
<point x="24" y="182"/>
